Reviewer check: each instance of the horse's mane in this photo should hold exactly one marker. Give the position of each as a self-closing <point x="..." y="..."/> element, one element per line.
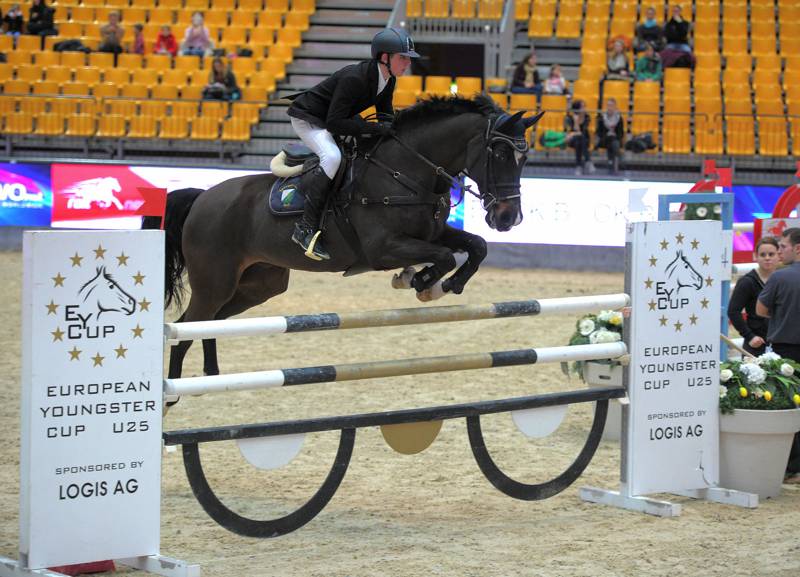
<point x="438" y="107"/>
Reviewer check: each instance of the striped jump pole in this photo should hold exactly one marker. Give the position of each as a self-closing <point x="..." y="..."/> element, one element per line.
<point x="393" y="368"/>
<point x="175" y="332"/>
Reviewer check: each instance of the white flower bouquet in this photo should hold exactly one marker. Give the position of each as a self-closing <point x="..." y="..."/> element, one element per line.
<point x="604" y="327"/>
<point x="767" y="383"/>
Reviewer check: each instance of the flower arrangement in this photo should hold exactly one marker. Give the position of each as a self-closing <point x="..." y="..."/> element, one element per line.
<point x="604" y="327"/>
<point x="766" y="383"/>
<point x="702" y="211"/>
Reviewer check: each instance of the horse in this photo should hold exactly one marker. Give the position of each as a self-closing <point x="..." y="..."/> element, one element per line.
<point x="391" y="215"/>
<point x="103" y="294"/>
<point x="682" y="273"/>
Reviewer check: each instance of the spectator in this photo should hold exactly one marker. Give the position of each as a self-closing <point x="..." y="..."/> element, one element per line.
<point x="138" y="39"/>
<point x="40" y="19"/>
<point x="197" y="39"/>
<point x="752" y="327"/>
<point x="526" y="78"/>
<point x="221" y="83"/>
<point x="649" y="32"/>
<point x="617" y="62"/>
<point x="111" y="34"/>
<point x="13" y="22"/>
<point x="576" y="125"/>
<point x="648" y="65"/>
<point x="677" y="31"/>
<point x="555" y="83"/>
<point x="610" y="133"/>
<point x="165" y="42"/>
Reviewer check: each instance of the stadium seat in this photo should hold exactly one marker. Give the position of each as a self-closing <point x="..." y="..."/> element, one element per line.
<point x="303" y="6"/>
<point x="490" y="9"/>
<point x="33" y="105"/>
<point x="58" y="74"/>
<point x="519" y="102"/>
<point x="205" y="128"/>
<point x="438" y="85"/>
<point x="468" y="85"/>
<point x="153" y="108"/>
<point x="740" y="135"/>
<point x="49" y="124"/>
<point x="130" y="61"/>
<point x="236" y="130"/>
<point x="111" y="126"/>
<point x="142" y="127"/>
<point x="28" y="72"/>
<point x="144" y="77"/>
<point x="74" y="60"/>
<point x="80" y="125"/>
<point x="47" y="58"/>
<point x="45" y="87"/>
<point x="63" y="106"/>
<point x="246" y="110"/>
<point x="101" y="59"/>
<point x="16" y="87"/>
<point x="18" y="123"/>
<point x="127" y="109"/>
<point x="186" y="110"/>
<point x="164" y="91"/>
<point x="174" y="127"/>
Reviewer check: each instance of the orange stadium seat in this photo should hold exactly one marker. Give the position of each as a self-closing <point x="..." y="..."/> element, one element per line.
<point x="174" y="127"/>
<point x="80" y="125"/>
<point x="18" y="123"/>
<point x="236" y="130"/>
<point x="49" y="124"/>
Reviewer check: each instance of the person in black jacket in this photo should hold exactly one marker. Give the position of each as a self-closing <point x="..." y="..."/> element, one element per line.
<point x="753" y="328"/>
<point x="677" y="31"/>
<point x="40" y="19"/>
<point x="610" y="132"/>
<point x="576" y="125"/>
<point x="333" y="107"/>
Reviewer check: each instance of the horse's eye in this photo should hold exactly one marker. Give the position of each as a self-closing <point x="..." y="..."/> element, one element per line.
<point x="111" y="285"/>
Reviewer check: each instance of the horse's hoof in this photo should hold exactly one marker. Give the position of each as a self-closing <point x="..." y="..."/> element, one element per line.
<point x="403" y="280"/>
<point x="431" y="294"/>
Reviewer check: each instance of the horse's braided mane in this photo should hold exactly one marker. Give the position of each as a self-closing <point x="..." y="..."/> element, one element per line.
<point x="437" y="107"/>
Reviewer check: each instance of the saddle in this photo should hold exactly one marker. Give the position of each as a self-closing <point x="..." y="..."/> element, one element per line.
<point x="291" y="163"/>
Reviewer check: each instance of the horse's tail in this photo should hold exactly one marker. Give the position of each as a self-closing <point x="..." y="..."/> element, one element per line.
<point x="179" y="203"/>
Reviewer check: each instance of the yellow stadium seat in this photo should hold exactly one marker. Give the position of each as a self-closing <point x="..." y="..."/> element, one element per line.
<point x="414" y="9"/>
<point x="243" y="19"/>
<point x="187" y="63"/>
<point x="45" y="87"/>
<point x="490" y="9"/>
<point x="540" y="26"/>
<point x="205" y="128"/>
<point x="134" y="14"/>
<point x="762" y="13"/>
<point x="770" y="106"/>
<point x="436" y="9"/>
<point x="254" y="94"/>
<point x="708" y="134"/>
<point x="187" y="110"/>
<point x="250" y="5"/>
<point x="236" y="130"/>
<point x="58" y="74"/>
<point x="297" y="20"/>
<point x="192" y="92"/>
<point x="130" y="61"/>
<point x="463" y="9"/>
<point x="677" y="104"/>
<point x="6" y="43"/>
<point x="163" y="17"/>
<point x="16" y="87"/>
<point x="80" y="125"/>
<point x="46" y="58"/>
<point x="49" y="125"/>
<point x="18" y="123"/>
<point x="438" y="85"/>
<point x="29" y="43"/>
<point x="154" y="108"/>
<point x="33" y="105"/>
<point x="118" y="76"/>
<point x="555" y="106"/>
<point x="289" y="37"/>
<point x="144" y="77"/>
<point x="409" y="83"/>
<point x="63" y="106"/>
<point x="119" y="107"/>
<point x="142" y="127"/>
<point x="213" y="109"/>
<point x="519" y="102"/>
<point x="402" y="99"/>
<point x="568" y="27"/>
<point x="281" y="52"/>
<point x="740" y="135"/>
<point x="6" y="72"/>
<point x="111" y="126"/>
<point x="304" y="6"/>
<point x="175" y="77"/>
<point x="215" y="18"/>
<point x="18" y="57"/>
<point x="247" y="111"/>
<point x="708" y="105"/>
<point x="468" y="85"/>
<point x="174" y="127"/>
<point x="277" y="5"/>
<point x="74" y="60"/>
<point x="501" y="99"/>
<point x="28" y="72"/>
<point x="677" y="76"/>
<point x="88" y="75"/>
<point x="675" y="137"/>
<point x="101" y="59"/>
<point x="262" y="80"/>
<point x="164" y="91"/>
<point x="105" y="90"/>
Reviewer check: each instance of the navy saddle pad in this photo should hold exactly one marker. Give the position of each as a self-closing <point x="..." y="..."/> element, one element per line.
<point x="285" y="197"/>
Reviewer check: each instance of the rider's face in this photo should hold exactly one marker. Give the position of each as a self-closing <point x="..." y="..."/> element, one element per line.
<point x="399" y="64"/>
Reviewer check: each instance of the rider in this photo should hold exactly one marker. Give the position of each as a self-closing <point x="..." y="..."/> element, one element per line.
<point x="333" y="107"/>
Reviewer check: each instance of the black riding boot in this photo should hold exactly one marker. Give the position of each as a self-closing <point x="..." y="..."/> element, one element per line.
<point x="315" y="186"/>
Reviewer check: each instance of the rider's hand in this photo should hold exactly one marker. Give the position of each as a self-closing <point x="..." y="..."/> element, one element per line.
<point x="756" y="342"/>
<point x="380" y="128"/>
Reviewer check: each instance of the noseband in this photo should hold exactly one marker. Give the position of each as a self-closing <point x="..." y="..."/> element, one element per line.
<point x="493" y="137"/>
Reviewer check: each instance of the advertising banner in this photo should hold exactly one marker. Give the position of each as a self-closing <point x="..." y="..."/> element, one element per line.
<point x="25" y="195"/>
<point x="673" y="339"/>
<point x="90" y="459"/>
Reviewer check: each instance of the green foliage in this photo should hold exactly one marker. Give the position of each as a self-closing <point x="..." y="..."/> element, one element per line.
<point x="604" y="327"/>
<point x="702" y="211"/>
<point x="768" y="383"/>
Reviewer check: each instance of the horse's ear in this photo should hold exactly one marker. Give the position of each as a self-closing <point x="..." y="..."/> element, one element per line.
<point x="532" y="120"/>
<point x="509" y="122"/>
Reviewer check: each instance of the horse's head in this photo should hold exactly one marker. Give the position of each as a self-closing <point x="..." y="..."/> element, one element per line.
<point x="111" y="184"/>
<point x="498" y="169"/>
<point x="106" y="292"/>
<point x="682" y="272"/>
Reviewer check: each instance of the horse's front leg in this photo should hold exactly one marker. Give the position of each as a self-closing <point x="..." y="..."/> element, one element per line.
<point x="474" y="246"/>
<point x="401" y="251"/>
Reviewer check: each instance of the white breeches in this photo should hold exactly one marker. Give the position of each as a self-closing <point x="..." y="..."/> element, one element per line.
<point x="321" y="142"/>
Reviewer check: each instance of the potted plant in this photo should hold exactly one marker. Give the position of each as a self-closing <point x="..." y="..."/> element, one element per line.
<point x="702" y="211"/>
<point x="759" y="399"/>
<point x="603" y="327"/>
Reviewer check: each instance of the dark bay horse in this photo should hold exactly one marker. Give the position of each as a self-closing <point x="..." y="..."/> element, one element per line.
<point x="237" y="254"/>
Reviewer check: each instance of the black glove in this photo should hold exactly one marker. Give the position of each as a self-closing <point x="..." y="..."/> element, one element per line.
<point x="379" y="128"/>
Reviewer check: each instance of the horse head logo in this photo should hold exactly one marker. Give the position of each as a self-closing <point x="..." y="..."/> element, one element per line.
<point x="106" y="293"/>
<point x="99" y="191"/>
<point x="681" y="272"/>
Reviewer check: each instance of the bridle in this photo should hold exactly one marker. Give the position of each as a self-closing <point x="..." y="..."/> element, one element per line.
<point x="491" y="193"/>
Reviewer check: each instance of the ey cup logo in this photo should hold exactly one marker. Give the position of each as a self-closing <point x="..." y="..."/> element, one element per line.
<point x="676" y="278"/>
<point x="97" y="299"/>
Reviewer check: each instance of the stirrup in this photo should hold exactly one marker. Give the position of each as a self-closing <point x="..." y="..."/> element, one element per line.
<point x="309" y="246"/>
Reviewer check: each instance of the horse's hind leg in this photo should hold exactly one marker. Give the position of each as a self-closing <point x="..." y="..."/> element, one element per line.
<point x="257" y="284"/>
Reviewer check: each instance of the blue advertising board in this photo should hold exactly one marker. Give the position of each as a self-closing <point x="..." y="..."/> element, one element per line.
<point x="25" y="195"/>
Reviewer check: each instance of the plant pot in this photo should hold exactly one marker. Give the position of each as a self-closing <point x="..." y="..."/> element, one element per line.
<point x="754" y="449"/>
<point x="606" y="375"/>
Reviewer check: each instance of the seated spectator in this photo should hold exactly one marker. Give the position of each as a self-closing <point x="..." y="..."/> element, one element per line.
<point x="111" y="34"/>
<point x="138" y="39"/>
<point x="576" y="125"/>
<point x="610" y="133"/>
<point x="526" y="78"/>
<point x="221" y="83"/>
<point x="617" y="62"/>
<point x="677" y="31"/>
<point x="13" y="22"/>
<point x="555" y="83"/>
<point x="649" y="32"/>
<point x="648" y="65"/>
<point x="40" y="19"/>
<point x="197" y="39"/>
<point x="166" y="43"/>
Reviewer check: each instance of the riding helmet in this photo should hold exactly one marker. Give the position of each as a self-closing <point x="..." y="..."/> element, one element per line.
<point x="393" y="41"/>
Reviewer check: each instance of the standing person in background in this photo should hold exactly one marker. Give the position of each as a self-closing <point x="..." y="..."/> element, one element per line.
<point x="197" y="39"/>
<point x="780" y="303"/>
<point x="165" y="42"/>
<point x="576" y="125"/>
<point x="13" y="21"/>
<point x="753" y="328"/>
<point x="610" y="133"/>
<point x="40" y="19"/>
<point x="526" y="79"/>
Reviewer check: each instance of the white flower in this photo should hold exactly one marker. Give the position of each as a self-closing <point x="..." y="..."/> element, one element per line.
<point x="586" y="327"/>
<point x="717" y="209"/>
<point x="723" y="391"/>
<point x="604" y="316"/>
<point x="766" y="357"/>
<point x="754" y="375"/>
<point x="758" y="393"/>
<point x="603" y="336"/>
<point x="702" y="211"/>
<point x="615" y="319"/>
<point x="725" y="375"/>
<point x="787" y="370"/>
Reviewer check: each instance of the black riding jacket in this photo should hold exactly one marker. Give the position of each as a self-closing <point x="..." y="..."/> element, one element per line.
<point x="336" y="102"/>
